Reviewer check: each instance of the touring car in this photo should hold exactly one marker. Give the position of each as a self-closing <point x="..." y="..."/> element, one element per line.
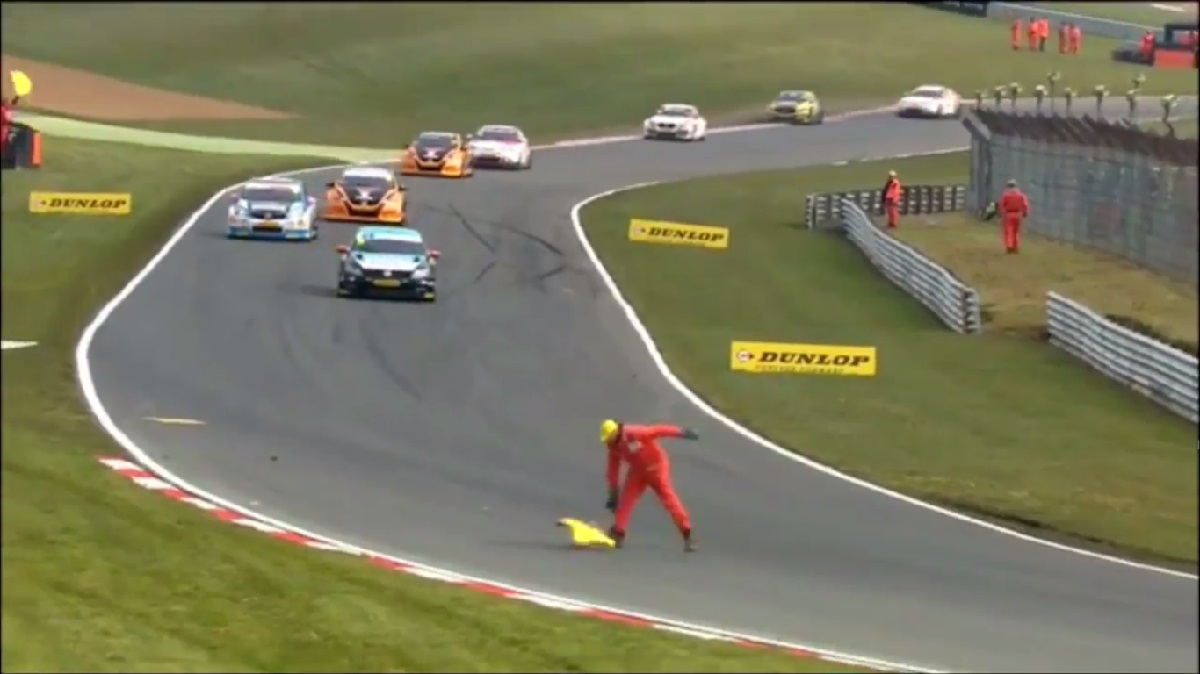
<point x="437" y="153"/>
<point x="500" y="145"/>
<point x="930" y="100"/>
<point x="272" y="208"/>
<point x="388" y="262"/>
<point x="366" y="194"/>
<point x="796" y="106"/>
<point x="675" y="121"/>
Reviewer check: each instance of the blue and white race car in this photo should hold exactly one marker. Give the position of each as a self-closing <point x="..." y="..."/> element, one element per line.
<point x="273" y="208"/>
<point x="388" y="262"/>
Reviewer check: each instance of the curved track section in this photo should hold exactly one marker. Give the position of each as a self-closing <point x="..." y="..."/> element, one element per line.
<point x="456" y="433"/>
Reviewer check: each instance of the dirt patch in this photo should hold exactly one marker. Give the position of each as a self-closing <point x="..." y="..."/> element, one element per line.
<point x="87" y="95"/>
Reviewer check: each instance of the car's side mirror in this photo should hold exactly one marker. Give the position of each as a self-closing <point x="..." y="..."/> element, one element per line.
<point x="342" y="249"/>
<point x="330" y="185"/>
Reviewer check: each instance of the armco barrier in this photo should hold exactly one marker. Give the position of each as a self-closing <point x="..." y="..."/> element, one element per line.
<point x="914" y="200"/>
<point x="1163" y="374"/>
<point x="952" y="301"/>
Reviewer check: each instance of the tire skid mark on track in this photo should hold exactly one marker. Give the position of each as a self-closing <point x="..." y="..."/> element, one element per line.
<point x="146" y="472"/>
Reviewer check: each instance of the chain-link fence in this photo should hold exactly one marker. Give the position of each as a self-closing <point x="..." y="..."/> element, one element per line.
<point x="1094" y="183"/>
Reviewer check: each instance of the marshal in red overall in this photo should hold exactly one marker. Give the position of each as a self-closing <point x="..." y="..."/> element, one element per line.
<point x="649" y="468"/>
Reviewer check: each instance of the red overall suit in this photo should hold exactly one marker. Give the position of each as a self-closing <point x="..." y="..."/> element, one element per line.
<point x="650" y="468"/>
<point x="6" y="120"/>
<point x="1013" y="207"/>
<point x="891" y="201"/>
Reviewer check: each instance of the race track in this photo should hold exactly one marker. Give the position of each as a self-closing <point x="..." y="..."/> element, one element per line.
<point x="457" y="433"/>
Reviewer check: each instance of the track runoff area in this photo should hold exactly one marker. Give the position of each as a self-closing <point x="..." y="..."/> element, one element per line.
<point x="757" y="357"/>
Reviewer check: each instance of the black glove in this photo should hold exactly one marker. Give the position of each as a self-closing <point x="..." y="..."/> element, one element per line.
<point x="689" y="434"/>
<point x="611" y="504"/>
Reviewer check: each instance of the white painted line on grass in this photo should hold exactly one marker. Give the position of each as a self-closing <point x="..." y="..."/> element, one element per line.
<point x="168" y="482"/>
<point x="660" y="363"/>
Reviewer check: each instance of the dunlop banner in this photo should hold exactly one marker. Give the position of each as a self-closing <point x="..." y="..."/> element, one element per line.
<point x="88" y="203"/>
<point x="778" y="358"/>
<point x="700" y="236"/>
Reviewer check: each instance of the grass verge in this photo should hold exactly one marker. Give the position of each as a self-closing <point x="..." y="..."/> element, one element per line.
<point x="998" y="425"/>
<point x="101" y="576"/>
<point x="1187" y="128"/>
<point x="1014" y="288"/>
<point x="370" y="74"/>
<point x="1142" y="13"/>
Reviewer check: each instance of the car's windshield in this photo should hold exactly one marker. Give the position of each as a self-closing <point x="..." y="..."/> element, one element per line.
<point x="674" y="112"/>
<point x="435" y="141"/>
<point x="925" y="93"/>
<point x="503" y="135"/>
<point x="282" y="194"/>
<point x="366" y="182"/>
<point x="391" y="247"/>
<point x="792" y="96"/>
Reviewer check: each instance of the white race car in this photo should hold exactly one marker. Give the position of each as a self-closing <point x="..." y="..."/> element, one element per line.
<point x="930" y="100"/>
<point x="273" y="208"/>
<point x="676" y="121"/>
<point x="501" y="146"/>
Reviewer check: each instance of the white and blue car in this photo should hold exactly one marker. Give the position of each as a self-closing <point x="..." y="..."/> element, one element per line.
<point x="388" y="262"/>
<point x="273" y="208"/>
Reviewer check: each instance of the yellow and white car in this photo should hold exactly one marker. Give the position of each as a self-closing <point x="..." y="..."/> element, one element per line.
<point x="796" y="106"/>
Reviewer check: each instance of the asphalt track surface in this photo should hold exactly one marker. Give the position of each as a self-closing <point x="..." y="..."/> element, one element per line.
<point x="457" y="433"/>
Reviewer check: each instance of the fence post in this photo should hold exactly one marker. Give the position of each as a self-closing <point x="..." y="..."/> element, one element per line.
<point x="1095" y="183"/>
<point x="978" y="197"/>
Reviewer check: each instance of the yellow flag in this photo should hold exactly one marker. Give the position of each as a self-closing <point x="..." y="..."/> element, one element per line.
<point x="22" y="85"/>
<point x="586" y="535"/>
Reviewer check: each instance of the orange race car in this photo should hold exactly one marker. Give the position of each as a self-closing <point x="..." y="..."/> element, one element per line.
<point x="437" y="153"/>
<point x="366" y="194"/>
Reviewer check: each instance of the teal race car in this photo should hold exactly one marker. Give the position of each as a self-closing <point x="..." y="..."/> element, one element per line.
<point x="391" y="262"/>
<point x="796" y="106"/>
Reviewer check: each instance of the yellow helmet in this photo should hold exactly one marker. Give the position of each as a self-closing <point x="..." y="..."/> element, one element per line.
<point x="608" y="430"/>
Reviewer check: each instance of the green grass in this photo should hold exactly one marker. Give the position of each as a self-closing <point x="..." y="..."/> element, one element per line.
<point x="1142" y="13"/>
<point x="993" y="424"/>
<point x="1183" y="129"/>
<point x="374" y="74"/>
<point x="1014" y="288"/>
<point x="100" y="575"/>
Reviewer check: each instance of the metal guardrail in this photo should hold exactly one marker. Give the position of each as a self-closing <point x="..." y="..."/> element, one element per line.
<point x="1163" y="374"/>
<point x="953" y="302"/>
<point x="914" y="200"/>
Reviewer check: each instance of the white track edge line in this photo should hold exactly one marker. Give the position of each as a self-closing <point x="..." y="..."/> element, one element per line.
<point x="92" y="399"/>
<point x="96" y="406"/>
<point x="660" y="364"/>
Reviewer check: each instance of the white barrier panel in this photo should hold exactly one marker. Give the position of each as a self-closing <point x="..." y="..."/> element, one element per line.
<point x="954" y="303"/>
<point x="1164" y="374"/>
